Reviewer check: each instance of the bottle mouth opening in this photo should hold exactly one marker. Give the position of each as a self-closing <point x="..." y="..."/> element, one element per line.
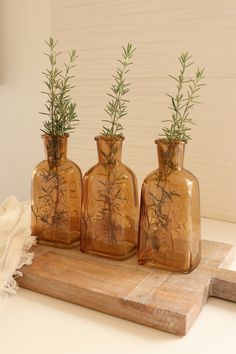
<point x="109" y="138"/>
<point x="65" y="136"/>
<point x="168" y="142"/>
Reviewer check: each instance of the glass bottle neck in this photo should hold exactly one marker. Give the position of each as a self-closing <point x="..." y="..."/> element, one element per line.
<point x="109" y="150"/>
<point x="170" y="155"/>
<point x="55" y="148"/>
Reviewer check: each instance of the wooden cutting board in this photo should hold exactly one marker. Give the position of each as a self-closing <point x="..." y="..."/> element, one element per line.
<point x="156" y="298"/>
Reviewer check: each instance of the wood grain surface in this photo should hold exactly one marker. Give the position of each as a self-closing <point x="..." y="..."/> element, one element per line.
<point x="153" y="297"/>
<point x="160" y="30"/>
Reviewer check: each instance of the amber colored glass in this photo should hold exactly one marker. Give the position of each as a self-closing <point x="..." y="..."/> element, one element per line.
<point x="109" y="225"/>
<point x="169" y="229"/>
<point x="56" y="196"/>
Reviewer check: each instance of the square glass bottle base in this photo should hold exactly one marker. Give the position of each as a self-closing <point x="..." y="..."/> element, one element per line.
<point x="116" y="257"/>
<point x="58" y="244"/>
<point x="155" y="264"/>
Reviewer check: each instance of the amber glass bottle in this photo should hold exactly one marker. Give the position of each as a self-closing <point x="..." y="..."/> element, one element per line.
<point x="56" y="196"/>
<point x="110" y="204"/>
<point x="169" y="232"/>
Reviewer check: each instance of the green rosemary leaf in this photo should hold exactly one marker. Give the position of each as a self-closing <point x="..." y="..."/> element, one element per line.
<point x="116" y="108"/>
<point x="173" y="77"/>
<point x="183" y="101"/>
<point x="59" y="106"/>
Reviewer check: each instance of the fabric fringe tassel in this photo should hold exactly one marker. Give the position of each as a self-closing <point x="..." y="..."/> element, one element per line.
<point x="26" y="258"/>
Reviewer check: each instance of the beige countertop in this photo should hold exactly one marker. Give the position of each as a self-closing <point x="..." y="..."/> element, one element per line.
<point x="31" y="323"/>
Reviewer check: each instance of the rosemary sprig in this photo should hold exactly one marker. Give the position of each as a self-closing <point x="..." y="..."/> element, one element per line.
<point x="183" y="102"/>
<point x="60" y="110"/>
<point x="116" y="107"/>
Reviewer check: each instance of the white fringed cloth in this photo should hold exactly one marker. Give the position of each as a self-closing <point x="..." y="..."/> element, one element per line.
<point x="15" y="243"/>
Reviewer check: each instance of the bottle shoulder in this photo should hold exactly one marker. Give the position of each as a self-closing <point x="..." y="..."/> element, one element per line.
<point x="128" y="170"/>
<point x="149" y="178"/>
<point x="189" y="175"/>
<point x="73" y="165"/>
<point x="95" y="169"/>
<point x="182" y="176"/>
<point x="99" y="170"/>
<point x="67" y="166"/>
<point x="40" y="166"/>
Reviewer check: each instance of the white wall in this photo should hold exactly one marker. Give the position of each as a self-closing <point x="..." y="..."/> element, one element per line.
<point x="24" y="25"/>
<point x="160" y="30"/>
<point x="98" y="28"/>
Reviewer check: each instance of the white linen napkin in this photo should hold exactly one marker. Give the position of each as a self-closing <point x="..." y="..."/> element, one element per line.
<point x="15" y="243"/>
